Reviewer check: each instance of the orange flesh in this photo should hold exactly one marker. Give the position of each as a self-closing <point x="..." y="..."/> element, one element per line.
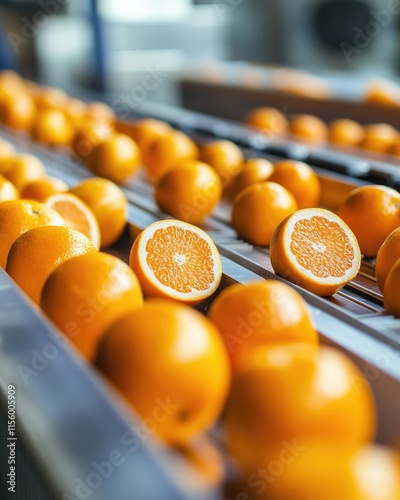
<point x="75" y="218"/>
<point x="322" y="247"/>
<point x="180" y="259"/>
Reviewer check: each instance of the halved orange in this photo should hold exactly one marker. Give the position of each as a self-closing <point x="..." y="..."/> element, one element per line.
<point x="76" y="214"/>
<point x="315" y="249"/>
<point x="174" y="259"/>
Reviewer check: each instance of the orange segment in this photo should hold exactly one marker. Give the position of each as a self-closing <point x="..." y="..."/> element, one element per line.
<point x="315" y="249"/>
<point x="176" y="260"/>
<point x="77" y="215"/>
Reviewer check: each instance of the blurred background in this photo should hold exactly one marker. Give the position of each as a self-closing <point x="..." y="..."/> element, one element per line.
<point x="113" y="44"/>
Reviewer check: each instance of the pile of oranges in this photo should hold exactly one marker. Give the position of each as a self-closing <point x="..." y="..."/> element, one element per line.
<point x="377" y="137"/>
<point x="298" y="419"/>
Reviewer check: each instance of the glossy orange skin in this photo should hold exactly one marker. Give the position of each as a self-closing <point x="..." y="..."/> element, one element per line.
<point x="293" y="391"/>
<point x="258" y="210"/>
<point x="145" y="131"/>
<point x="189" y="191"/>
<point x="88" y="135"/>
<point x="391" y="298"/>
<point x="49" y="98"/>
<point x="269" y="120"/>
<point x="109" y="205"/>
<point x="18" y="216"/>
<point x="108" y="289"/>
<point x="300" y="180"/>
<point x="116" y="158"/>
<point x="309" y="128"/>
<point x="7" y="190"/>
<point x="23" y="169"/>
<point x="187" y="366"/>
<point x="379" y="138"/>
<point x="309" y="468"/>
<point x="345" y="132"/>
<point x="260" y="313"/>
<point x="166" y="151"/>
<point x="41" y="189"/>
<point x="226" y="158"/>
<point x="372" y="213"/>
<point x="253" y="170"/>
<point x="53" y="128"/>
<point x="36" y="253"/>
<point x="386" y="257"/>
<point x="18" y="111"/>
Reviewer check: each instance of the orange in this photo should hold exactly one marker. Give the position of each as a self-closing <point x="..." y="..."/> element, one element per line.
<point x="100" y="112"/>
<point x="262" y="312"/>
<point x="386" y="257"/>
<point x="372" y="213"/>
<point x="18" y="216"/>
<point x="315" y="249"/>
<point x="76" y="214"/>
<point x="6" y="149"/>
<point x="109" y="205"/>
<point x="391" y="289"/>
<point x="116" y="158"/>
<point x="146" y="130"/>
<point x="379" y="137"/>
<point x="258" y="209"/>
<point x="345" y="132"/>
<point x="87" y="137"/>
<point x="7" y="190"/>
<point x="22" y="169"/>
<point x="51" y="98"/>
<point x="75" y="110"/>
<point x="53" y="128"/>
<point x="253" y="170"/>
<point x="309" y="127"/>
<point x="314" y="469"/>
<point x="166" y="151"/>
<point x="41" y="189"/>
<point x="86" y="294"/>
<point x="36" y="253"/>
<point x="176" y="260"/>
<point x="383" y="93"/>
<point x="269" y="120"/>
<point x="292" y="391"/>
<point x="18" y="111"/>
<point x="395" y="148"/>
<point x="189" y="191"/>
<point x="300" y="180"/>
<point x="226" y="158"/>
<point x="185" y="369"/>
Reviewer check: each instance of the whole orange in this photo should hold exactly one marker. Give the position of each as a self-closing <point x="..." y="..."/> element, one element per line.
<point x="116" y="158"/>
<point x="226" y="158"/>
<point x="258" y="210"/>
<point x="300" y="180"/>
<point x="146" y="130"/>
<point x="253" y="170"/>
<point x="386" y="257"/>
<point x="291" y="391"/>
<point x="261" y="312"/>
<point x="372" y="213"/>
<point x="18" y="216"/>
<point x="87" y="137"/>
<point x="269" y="120"/>
<point x="108" y="288"/>
<point x="379" y="137"/>
<point x="189" y="191"/>
<point x="345" y="132"/>
<point x="391" y="288"/>
<point x="18" y="111"/>
<point x="109" y="205"/>
<point x="22" y="169"/>
<point x="42" y="188"/>
<point x="309" y="127"/>
<point x="37" y="252"/>
<point x="53" y="128"/>
<point x="166" y="151"/>
<point x="50" y="98"/>
<point x="186" y="368"/>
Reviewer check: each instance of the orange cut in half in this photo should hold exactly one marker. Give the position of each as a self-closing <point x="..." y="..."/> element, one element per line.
<point x="176" y="260"/>
<point x="76" y="214"/>
<point x="315" y="249"/>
